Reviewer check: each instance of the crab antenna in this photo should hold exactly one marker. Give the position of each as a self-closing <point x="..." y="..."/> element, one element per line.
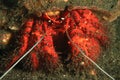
<point x="82" y="52"/>
<point x="23" y="56"/>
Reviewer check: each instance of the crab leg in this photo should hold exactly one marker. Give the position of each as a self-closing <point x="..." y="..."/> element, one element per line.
<point x="49" y="54"/>
<point x="36" y="34"/>
<point x="24" y="41"/>
<point x="78" y="35"/>
<point x="89" y="24"/>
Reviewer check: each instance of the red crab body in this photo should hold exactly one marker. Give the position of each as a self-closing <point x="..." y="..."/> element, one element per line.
<point x="87" y="32"/>
<point x="83" y="28"/>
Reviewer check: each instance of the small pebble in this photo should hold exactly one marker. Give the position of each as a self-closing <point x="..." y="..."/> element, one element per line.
<point x="93" y="72"/>
<point x="4" y="37"/>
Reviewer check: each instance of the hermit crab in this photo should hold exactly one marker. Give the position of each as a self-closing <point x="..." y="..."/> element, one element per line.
<point x="66" y="31"/>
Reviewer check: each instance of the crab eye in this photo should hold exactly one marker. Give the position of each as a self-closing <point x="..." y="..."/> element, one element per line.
<point x="62" y="18"/>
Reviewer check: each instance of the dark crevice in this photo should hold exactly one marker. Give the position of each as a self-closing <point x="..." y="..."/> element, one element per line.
<point x="10" y="3"/>
<point x="61" y="46"/>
